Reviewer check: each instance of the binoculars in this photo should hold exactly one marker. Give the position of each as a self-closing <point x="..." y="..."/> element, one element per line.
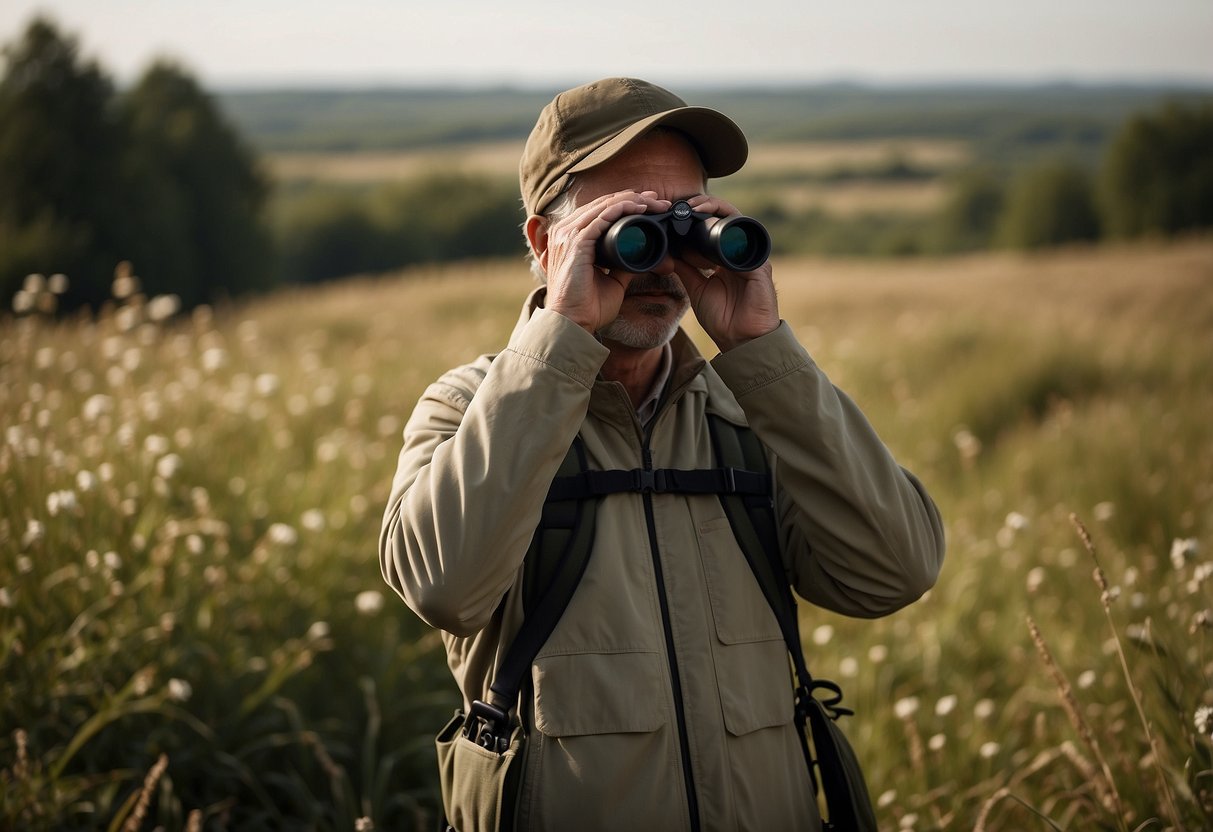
<point x="638" y="242"/>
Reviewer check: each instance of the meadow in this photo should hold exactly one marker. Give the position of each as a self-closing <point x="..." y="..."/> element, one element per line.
<point x="194" y="632"/>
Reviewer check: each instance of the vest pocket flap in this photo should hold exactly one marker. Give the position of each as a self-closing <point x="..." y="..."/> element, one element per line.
<point x="739" y="609"/>
<point x="598" y="693"/>
<point x="755" y="686"/>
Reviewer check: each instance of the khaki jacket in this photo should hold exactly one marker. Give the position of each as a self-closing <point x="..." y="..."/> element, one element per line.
<point x="665" y="688"/>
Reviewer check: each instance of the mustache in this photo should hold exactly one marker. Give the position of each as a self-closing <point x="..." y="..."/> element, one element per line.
<point x="649" y="284"/>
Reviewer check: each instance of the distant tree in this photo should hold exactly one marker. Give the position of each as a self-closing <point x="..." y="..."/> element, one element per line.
<point x="198" y="193"/>
<point x="1049" y="204"/>
<point x="970" y="212"/>
<point x="61" y="151"/>
<point x="1157" y="176"/>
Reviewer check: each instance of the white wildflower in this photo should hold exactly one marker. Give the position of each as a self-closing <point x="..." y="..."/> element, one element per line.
<point x="937" y="742"/>
<point x="179" y="690"/>
<point x="848" y="667"/>
<point x="877" y="653"/>
<point x="213" y="359"/>
<point x="967" y="444"/>
<point x="34" y="284"/>
<point x="96" y="405"/>
<point x="1085" y="679"/>
<point x="906" y="707"/>
<point x="1016" y="521"/>
<point x="23" y="302"/>
<point x="34" y="533"/>
<point x="111" y="560"/>
<point x="945" y="705"/>
<point x="312" y="520"/>
<point x="162" y="307"/>
<point x="886" y="798"/>
<point x="1183" y="550"/>
<point x="318" y="630"/>
<point x="1104" y="511"/>
<point x="1036" y="577"/>
<point x="86" y="480"/>
<point x="984" y="709"/>
<point x="57" y="283"/>
<point x="369" y="602"/>
<point x="266" y="384"/>
<point x="989" y="749"/>
<point x="6" y="600"/>
<point x="908" y="820"/>
<point x="282" y="534"/>
<point x="156" y="445"/>
<point x="125" y="285"/>
<point x="167" y="466"/>
<point x="1203" y="720"/>
<point x="58" y="501"/>
<point x="823" y="634"/>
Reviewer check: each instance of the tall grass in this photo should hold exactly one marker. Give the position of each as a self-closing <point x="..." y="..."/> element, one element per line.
<point x="194" y="633"/>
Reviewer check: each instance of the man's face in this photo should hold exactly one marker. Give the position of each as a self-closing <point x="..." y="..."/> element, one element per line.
<point x="654" y="303"/>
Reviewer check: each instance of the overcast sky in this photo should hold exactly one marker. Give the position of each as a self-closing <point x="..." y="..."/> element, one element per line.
<point x="543" y="42"/>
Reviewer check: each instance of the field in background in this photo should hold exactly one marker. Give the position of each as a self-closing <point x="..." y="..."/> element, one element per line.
<point x="191" y="510"/>
<point x="843" y="178"/>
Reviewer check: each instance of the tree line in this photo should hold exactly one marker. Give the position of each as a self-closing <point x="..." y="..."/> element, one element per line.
<point x="91" y="177"/>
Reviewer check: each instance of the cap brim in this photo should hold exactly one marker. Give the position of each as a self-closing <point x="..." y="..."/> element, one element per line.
<point x="721" y="145"/>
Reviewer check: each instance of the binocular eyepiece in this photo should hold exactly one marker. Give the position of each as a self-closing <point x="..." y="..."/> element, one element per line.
<point x="638" y="242"/>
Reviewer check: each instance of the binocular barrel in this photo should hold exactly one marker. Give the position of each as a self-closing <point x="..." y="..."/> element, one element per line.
<point x="638" y="242"/>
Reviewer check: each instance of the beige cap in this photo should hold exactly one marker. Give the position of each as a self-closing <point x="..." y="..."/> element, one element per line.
<point x="585" y="126"/>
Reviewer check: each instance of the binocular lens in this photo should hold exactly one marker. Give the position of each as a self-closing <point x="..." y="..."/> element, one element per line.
<point x="735" y="244"/>
<point x="741" y="243"/>
<point x="636" y="244"/>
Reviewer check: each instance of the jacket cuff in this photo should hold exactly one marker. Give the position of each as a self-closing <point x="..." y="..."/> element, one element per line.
<point x="551" y="339"/>
<point x="763" y="361"/>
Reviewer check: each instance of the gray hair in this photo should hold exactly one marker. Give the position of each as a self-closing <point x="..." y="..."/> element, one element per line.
<point x="558" y="209"/>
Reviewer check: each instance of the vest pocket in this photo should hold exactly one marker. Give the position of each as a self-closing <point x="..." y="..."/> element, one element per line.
<point x="605" y="754"/>
<point x="755" y="686"/>
<point x="598" y="693"/>
<point x="739" y="610"/>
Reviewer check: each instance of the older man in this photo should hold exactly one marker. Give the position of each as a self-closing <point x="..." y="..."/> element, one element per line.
<point x="662" y="699"/>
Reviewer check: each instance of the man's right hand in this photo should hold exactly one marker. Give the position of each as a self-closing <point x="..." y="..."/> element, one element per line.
<point x="585" y="294"/>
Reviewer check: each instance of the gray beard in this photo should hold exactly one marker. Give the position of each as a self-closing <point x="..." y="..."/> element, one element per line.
<point x="644" y="335"/>
<point x="653" y="329"/>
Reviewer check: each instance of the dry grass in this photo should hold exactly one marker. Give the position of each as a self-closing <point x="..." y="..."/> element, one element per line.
<point x="190" y="507"/>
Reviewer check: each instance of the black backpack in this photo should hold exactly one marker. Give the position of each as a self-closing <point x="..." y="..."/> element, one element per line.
<point x="560" y="550"/>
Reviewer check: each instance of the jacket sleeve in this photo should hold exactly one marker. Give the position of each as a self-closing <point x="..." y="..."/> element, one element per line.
<point x="861" y="535"/>
<point x="474" y="471"/>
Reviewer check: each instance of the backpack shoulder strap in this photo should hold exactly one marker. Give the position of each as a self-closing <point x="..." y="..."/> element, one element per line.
<point x="555" y="562"/>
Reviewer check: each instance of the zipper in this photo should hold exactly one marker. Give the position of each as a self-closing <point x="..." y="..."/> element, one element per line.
<point x="675" y="679"/>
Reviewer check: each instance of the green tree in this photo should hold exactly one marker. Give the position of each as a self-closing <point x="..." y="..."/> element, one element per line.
<point x="61" y="151"/>
<point x="1049" y="204"/>
<point x="1157" y="176"/>
<point x="970" y="212"/>
<point x="199" y="192"/>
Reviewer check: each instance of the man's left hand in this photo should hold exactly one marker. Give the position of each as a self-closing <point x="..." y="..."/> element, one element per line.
<point x="732" y="307"/>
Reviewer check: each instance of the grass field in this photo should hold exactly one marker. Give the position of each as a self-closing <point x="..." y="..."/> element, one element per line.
<point x="841" y="178"/>
<point x="194" y="632"/>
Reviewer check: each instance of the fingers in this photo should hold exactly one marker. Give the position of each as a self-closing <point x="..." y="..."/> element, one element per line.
<point x="711" y="204"/>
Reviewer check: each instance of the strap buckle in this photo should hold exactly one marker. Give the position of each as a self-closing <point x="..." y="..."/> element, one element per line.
<point x="488" y="727"/>
<point x="645" y="481"/>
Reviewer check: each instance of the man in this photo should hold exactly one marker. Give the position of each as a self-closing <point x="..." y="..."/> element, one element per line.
<point x="662" y="700"/>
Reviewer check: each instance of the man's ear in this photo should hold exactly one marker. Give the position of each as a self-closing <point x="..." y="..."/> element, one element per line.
<point x="537" y="238"/>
